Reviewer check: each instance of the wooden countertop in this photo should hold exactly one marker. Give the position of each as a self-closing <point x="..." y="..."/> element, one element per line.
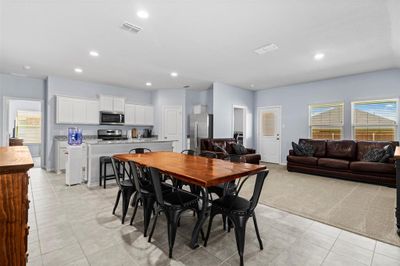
<point x="397" y="153"/>
<point x="15" y="159"/>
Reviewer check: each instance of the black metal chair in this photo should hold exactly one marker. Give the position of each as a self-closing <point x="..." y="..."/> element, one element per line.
<point x="125" y="188"/>
<point x="103" y="177"/>
<point x="173" y="205"/>
<point x="139" y="150"/>
<point x="238" y="210"/>
<point x="144" y="194"/>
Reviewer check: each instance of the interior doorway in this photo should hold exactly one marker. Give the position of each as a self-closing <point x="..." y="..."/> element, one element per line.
<point x="23" y="122"/>
<point x="239" y="124"/>
<point x="269" y="133"/>
<point x="172" y="126"/>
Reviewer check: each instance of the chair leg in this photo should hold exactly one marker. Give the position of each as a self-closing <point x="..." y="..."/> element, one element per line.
<point x="148" y="204"/>
<point x="136" y="201"/>
<point x="173" y="218"/>
<point x="209" y="228"/>
<point x="126" y="196"/>
<point x="116" y="201"/>
<point x="104" y="174"/>
<point x="257" y="232"/>
<point x="100" y="175"/>
<point x="240" y="233"/>
<point x="154" y="226"/>
<point x="224" y="221"/>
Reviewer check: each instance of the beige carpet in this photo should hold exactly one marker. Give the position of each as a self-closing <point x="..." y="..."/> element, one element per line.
<point x="361" y="208"/>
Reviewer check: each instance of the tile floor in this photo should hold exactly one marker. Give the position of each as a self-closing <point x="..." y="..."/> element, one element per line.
<point x="74" y="226"/>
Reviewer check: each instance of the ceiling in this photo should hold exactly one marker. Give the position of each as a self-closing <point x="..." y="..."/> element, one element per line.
<point x="204" y="41"/>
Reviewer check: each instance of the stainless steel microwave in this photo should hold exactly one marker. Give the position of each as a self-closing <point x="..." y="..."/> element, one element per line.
<point x="112" y="118"/>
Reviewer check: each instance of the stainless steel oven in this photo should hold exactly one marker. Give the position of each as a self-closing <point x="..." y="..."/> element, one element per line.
<point x="112" y="118"/>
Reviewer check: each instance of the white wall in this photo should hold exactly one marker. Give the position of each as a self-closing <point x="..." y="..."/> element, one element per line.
<point x="225" y="97"/>
<point x="295" y="99"/>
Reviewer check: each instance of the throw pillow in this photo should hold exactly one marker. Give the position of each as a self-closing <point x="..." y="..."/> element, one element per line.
<point x="239" y="149"/>
<point x="308" y="149"/>
<point x="298" y="149"/>
<point x="218" y="148"/>
<point x="374" y="155"/>
<point x="389" y="153"/>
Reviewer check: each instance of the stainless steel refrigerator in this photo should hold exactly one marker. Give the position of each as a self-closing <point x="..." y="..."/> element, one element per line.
<point x="201" y="126"/>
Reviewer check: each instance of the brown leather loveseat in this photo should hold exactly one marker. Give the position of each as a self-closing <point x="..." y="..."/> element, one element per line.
<point x="250" y="155"/>
<point x="343" y="159"/>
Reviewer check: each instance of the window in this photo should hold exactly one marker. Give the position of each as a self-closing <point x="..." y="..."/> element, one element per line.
<point x="326" y="121"/>
<point x="375" y="120"/>
<point x="28" y="126"/>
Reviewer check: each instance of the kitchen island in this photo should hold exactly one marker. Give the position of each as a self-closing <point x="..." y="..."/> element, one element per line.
<point x="98" y="148"/>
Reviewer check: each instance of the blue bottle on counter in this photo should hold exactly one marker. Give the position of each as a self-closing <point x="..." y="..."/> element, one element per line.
<point x="74" y="136"/>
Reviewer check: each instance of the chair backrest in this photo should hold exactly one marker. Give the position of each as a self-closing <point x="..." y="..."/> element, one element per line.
<point x="209" y="154"/>
<point x="139" y="150"/>
<point x="156" y="180"/>
<point x="257" y="189"/>
<point x="188" y="152"/>
<point x="115" y="168"/>
<point x="135" y="176"/>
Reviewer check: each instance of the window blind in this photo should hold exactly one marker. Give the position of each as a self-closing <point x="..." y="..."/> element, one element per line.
<point x="28" y="126"/>
<point x="326" y="114"/>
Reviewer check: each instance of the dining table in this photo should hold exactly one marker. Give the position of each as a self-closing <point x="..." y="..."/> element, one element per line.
<point x="194" y="170"/>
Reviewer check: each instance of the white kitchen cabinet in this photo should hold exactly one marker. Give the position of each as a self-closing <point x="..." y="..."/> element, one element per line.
<point x="140" y="115"/>
<point x="106" y="103"/>
<point x="130" y="113"/>
<point x="63" y="110"/>
<point x="149" y="115"/>
<point x="77" y="111"/>
<point x="112" y="104"/>
<point x="92" y="112"/>
<point x="119" y="104"/>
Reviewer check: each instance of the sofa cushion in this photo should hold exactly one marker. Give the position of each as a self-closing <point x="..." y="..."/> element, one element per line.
<point x="319" y="146"/>
<point x="386" y="168"/>
<point x="333" y="163"/>
<point x="302" y="159"/>
<point x="364" y="146"/>
<point x="239" y="149"/>
<point x="341" y="149"/>
<point x="374" y="155"/>
<point x="389" y="153"/>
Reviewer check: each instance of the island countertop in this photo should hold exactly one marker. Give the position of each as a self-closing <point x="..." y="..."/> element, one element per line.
<point x="128" y="141"/>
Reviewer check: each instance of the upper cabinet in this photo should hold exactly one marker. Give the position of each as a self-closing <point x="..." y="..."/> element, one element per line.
<point x="112" y="104"/>
<point x="76" y="111"/>
<point x="142" y="115"/>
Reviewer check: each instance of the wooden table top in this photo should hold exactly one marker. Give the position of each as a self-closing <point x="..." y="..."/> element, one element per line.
<point x="397" y="153"/>
<point x="196" y="170"/>
<point x="15" y="159"/>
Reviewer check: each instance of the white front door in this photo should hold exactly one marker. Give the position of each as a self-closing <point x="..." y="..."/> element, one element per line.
<point x="269" y="133"/>
<point x="172" y="125"/>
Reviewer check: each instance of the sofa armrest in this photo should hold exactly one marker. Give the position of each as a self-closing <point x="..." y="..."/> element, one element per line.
<point x="250" y="151"/>
<point x="391" y="160"/>
<point x="291" y="152"/>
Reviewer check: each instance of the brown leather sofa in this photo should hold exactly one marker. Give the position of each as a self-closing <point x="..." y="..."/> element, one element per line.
<point x="209" y="145"/>
<point x="343" y="159"/>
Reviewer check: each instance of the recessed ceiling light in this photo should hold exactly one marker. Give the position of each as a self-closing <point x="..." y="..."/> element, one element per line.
<point x="142" y="14"/>
<point x="78" y="70"/>
<point x="319" y="56"/>
<point x="27" y="67"/>
<point x="174" y="74"/>
<point x="94" y="53"/>
<point x="148" y="84"/>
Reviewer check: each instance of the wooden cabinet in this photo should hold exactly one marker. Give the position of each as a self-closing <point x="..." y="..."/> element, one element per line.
<point x="14" y="164"/>
<point x="142" y="115"/>
<point x="76" y="111"/>
<point x="112" y="104"/>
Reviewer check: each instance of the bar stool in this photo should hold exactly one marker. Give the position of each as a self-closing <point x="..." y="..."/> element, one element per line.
<point x="104" y="161"/>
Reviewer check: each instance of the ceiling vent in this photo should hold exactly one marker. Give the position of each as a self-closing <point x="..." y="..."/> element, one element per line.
<point x="266" y="48"/>
<point x="130" y="27"/>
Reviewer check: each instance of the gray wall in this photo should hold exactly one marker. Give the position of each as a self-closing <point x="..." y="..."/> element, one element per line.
<point x="296" y="98"/>
<point x="68" y="87"/>
<point x="224" y="98"/>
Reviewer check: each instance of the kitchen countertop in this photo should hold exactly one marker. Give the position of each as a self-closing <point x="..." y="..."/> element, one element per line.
<point x="128" y="141"/>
